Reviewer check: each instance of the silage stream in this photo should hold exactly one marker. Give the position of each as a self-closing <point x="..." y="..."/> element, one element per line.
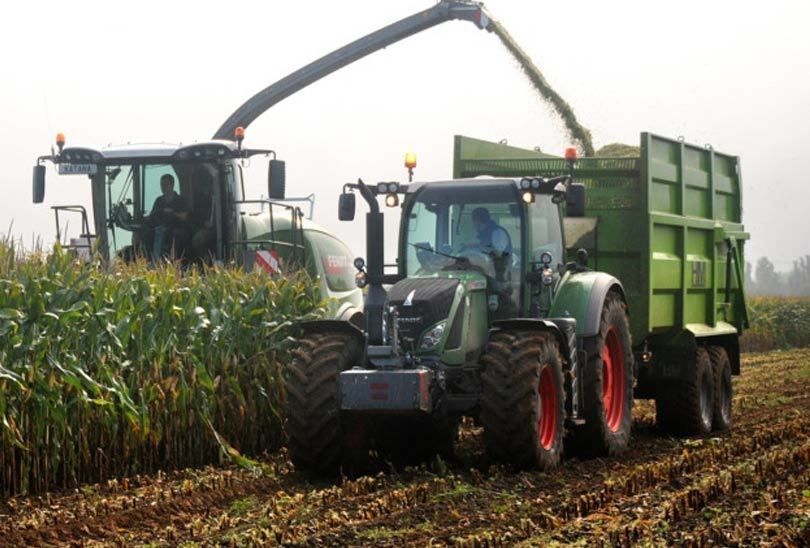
<point x="576" y="130"/>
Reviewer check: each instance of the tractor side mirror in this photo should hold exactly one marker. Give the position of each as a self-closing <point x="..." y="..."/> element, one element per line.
<point x="39" y="184"/>
<point x="346" y="207"/>
<point x="276" y="179"/>
<point x="575" y="200"/>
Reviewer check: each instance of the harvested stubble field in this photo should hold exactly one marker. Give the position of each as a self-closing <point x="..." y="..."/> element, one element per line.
<point x="749" y="487"/>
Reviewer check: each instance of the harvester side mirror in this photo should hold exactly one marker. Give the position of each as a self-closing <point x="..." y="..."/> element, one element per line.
<point x="276" y="179"/>
<point x="575" y="200"/>
<point x="346" y="207"/>
<point x="39" y="184"/>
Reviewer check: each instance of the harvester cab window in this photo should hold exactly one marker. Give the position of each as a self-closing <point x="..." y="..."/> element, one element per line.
<point x="119" y="182"/>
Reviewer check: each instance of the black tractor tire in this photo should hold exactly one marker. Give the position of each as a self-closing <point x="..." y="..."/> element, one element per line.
<point x="608" y="386"/>
<point x="314" y="426"/>
<point x="723" y="392"/>
<point x="521" y="427"/>
<point x="684" y="407"/>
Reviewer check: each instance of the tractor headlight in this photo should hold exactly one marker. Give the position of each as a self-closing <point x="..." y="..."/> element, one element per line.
<point x="360" y="279"/>
<point x="433" y="336"/>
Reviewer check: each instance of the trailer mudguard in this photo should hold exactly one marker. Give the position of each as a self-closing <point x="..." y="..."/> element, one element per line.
<point x="581" y="296"/>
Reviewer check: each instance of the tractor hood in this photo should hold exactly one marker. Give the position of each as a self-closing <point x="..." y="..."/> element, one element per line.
<point x="432" y="312"/>
<point x="421" y="302"/>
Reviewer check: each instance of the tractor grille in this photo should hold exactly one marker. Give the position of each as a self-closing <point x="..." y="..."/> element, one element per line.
<point x="430" y="302"/>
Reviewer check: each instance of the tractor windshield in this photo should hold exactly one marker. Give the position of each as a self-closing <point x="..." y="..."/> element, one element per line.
<point x="479" y="224"/>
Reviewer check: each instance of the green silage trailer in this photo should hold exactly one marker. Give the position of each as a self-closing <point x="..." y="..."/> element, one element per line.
<point x="668" y="224"/>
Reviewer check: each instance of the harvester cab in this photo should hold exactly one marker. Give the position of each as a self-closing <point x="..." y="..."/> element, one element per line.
<point x="477" y="321"/>
<point x="157" y="200"/>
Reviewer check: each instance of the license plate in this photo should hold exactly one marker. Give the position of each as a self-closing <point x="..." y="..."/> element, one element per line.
<point x="78" y="169"/>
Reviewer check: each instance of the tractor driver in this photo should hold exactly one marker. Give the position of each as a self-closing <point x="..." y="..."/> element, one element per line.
<point x="169" y="215"/>
<point x="492" y="238"/>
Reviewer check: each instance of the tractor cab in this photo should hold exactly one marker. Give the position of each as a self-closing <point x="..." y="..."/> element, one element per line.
<point x="482" y="226"/>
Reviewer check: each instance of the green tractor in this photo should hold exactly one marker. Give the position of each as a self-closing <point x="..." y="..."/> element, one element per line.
<point x="487" y="317"/>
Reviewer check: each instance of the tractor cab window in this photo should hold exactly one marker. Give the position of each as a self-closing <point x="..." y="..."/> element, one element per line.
<point x="546" y="231"/>
<point x="479" y="226"/>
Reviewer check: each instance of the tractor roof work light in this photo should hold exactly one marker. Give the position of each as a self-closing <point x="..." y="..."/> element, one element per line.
<point x="391" y="200"/>
<point x="528" y="197"/>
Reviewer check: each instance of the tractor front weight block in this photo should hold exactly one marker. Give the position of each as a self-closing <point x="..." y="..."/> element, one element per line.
<point x="400" y="391"/>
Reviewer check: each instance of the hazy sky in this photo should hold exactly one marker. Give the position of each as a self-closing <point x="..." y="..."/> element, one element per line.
<point x="733" y="74"/>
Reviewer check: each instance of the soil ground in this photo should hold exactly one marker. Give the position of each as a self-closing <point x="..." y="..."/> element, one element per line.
<point x="750" y="486"/>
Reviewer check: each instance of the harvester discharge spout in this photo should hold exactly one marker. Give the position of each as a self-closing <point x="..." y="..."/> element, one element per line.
<point x="382" y="38"/>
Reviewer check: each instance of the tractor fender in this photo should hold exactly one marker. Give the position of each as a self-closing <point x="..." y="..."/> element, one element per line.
<point x="348" y="312"/>
<point x="581" y="296"/>
<point x="535" y="324"/>
<point x="331" y="326"/>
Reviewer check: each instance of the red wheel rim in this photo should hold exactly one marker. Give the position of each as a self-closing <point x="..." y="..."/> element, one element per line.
<point x="613" y="390"/>
<point x="547" y="407"/>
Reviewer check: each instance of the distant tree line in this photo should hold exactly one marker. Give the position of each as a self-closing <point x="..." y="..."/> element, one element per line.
<point x="763" y="279"/>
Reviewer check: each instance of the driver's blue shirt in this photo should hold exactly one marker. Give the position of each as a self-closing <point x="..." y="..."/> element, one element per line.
<point x="495" y="237"/>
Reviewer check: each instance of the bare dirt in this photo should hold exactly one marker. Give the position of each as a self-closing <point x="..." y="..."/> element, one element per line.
<point x="750" y="486"/>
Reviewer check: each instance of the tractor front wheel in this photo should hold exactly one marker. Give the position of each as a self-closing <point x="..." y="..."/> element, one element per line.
<point x="523" y="399"/>
<point x="608" y="386"/>
<point x="314" y="427"/>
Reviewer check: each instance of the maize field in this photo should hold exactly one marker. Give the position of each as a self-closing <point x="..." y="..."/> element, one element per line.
<point x="748" y="487"/>
<point x="777" y="322"/>
<point x="109" y="374"/>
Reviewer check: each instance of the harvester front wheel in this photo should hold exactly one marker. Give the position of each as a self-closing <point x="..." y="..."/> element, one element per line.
<point x="721" y="367"/>
<point x="523" y="398"/>
<point x="685" y="407"/>
<point x="608" y="386"/>
<point x="314" y="427"/>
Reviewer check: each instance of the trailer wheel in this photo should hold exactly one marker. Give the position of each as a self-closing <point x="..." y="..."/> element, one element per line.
<point x="721" y="367"/>
<point x="523" y="399"/>
<point x="316" y="434"/>
<point x="608" y="386"/>
<point x="685" y="407"/>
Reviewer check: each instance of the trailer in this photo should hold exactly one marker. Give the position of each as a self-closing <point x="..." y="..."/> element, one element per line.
<point x="668" y="224"/>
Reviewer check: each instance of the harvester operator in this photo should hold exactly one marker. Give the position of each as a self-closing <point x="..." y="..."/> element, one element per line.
<point x="169" y="215"/>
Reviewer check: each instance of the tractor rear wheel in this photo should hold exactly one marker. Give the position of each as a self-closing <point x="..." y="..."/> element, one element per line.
<point x="608" y="385"/>
<point x="721" y="367"/>
<point x="685" y="407"/>
<point x="314" y="427"/>
<point x="523" y="399"/>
